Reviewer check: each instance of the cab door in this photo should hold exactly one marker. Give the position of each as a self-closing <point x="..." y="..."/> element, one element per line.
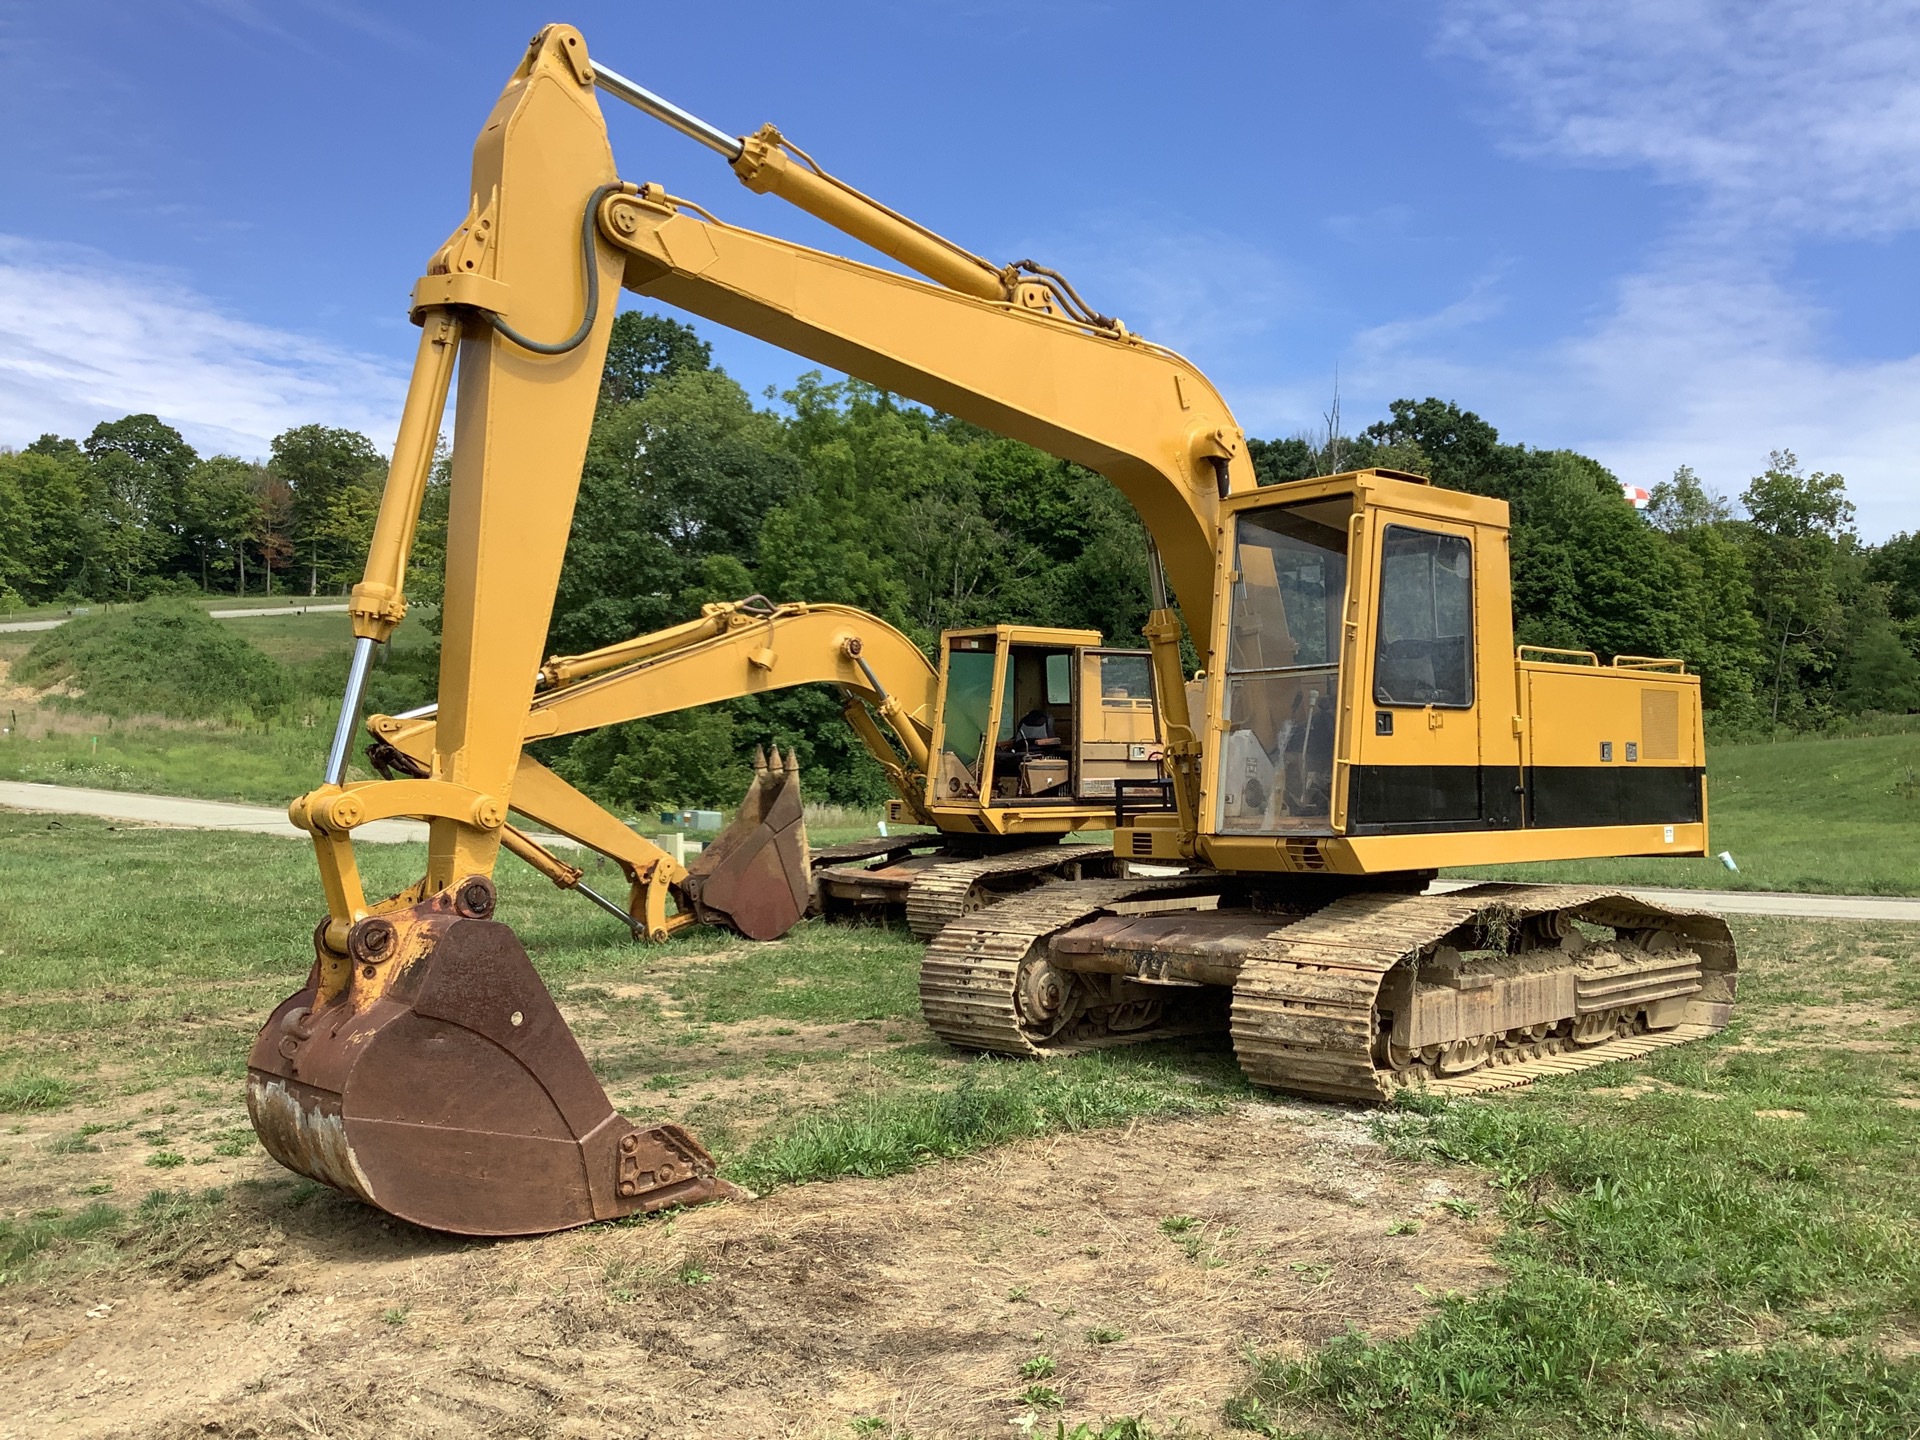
<point x="1416" y="745"/>
<point x="971" y="667"/>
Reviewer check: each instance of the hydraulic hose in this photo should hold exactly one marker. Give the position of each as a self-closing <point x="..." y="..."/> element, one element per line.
<point x="590" y="259"/>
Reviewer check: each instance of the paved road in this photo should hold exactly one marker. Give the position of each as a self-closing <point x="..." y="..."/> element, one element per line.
<point x="219" y="815"/>
<point x="1765" y="902"/>
<point x="185" y="814"/>
<point x="15" y="626"/>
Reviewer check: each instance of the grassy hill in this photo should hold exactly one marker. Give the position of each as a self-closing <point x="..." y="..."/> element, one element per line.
<point x="204" y="750"/>
<point x="1837" y="815"/>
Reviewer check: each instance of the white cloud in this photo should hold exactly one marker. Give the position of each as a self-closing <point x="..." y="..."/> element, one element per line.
<point x="1800" y="113"/>
<point x="1785" y="121"/>
<point x="1706" y="362"/>
<point x="85" y="338"/>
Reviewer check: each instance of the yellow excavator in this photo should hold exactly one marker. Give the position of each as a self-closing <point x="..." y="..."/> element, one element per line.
<point x="1036" y="732"/>
<point x="1363" y="716"/>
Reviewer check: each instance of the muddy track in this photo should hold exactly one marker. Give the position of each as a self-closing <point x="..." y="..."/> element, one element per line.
<point x="970" y="975"/>
<point x="960" y="887"/>
<point x="1306" y="1007"/>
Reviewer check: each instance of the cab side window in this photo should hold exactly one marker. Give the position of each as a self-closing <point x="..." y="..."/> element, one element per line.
<point x="1425" y="642"/>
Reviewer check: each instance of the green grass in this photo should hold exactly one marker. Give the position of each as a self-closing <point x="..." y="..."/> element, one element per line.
<point x="1840" y="816"/>
<point x="22" y="1241"/>
<point x="995" y="1101"/>
<point x="1684" y="1259"/>
<point x="265" y="763"/>
<point x="33" y="1091"/>
<point x="218" y="928"/>
<point x="826" y="973"/>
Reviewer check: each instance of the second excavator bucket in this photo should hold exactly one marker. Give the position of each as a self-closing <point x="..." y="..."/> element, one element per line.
<point x="428" y="1072"/>
<point x="755" y="878"/>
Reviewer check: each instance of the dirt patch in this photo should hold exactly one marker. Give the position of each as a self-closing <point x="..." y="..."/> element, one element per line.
<point x="1646" y="1085"/>
<point x="1779" y="1114"/>
<point x="1862" y="1029"/>
<point x="118" y="1150"/>
<point x="1142" y="1263"/>
<point x="752" y="1070"/>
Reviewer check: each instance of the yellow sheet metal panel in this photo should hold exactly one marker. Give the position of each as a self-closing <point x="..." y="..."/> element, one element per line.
<point x="1385" y="854"/>
<point x="1599" y="715"/>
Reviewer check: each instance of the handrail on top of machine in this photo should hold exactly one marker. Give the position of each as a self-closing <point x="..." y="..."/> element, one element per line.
<point x="1664" y="663"/>
<point x="1520" y="653"/>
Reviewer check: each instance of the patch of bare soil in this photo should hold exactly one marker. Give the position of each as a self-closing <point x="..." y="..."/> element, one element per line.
<point x="125" y="1146"/>
<point x="1641" y="1085"/>
<point x="1142" y="1263"/>
<point x="1861" y="1028"/>
<point x="754" y="1070"/>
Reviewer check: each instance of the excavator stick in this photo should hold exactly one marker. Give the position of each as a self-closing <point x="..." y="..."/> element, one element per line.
<point x="429" y="1073"/>
<point x="756" y="878"/>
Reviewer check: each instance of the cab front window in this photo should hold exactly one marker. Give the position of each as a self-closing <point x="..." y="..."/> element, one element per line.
<point x="1275" y="763"/>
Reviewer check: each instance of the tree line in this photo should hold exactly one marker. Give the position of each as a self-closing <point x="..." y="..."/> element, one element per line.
<point x="134" y="511"/>
<point x="691" y="492"/>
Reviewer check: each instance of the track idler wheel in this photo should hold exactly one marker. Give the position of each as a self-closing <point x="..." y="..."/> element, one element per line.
<point x="429" y="1073"/>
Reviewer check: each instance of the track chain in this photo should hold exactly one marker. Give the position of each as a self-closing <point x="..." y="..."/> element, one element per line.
<point x="970" y="973"/>
<point x="1305" y="1015"/>
<point x="950" y="890"/>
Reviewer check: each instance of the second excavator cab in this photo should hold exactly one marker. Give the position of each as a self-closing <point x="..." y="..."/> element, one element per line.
<point x="1034" y="718"/>
<point x="1033" y="729"/>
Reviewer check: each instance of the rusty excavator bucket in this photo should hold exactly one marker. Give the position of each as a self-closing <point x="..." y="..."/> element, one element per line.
<point x="756" y="878"/>
<point x="428" y="1072"/>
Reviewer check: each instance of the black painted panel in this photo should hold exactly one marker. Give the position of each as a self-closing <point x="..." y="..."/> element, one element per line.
<point x="1386" y="799"/>
<point x="1566" y="796"/>
<point x="1416" y="799"/>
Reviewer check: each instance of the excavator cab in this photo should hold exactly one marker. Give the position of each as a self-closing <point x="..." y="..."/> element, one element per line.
<point x="1034" y="719"/>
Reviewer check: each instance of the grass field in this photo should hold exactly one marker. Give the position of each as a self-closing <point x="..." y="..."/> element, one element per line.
<point x="1719" y="1241"/>
<point x="1840" y="816"/>
<point x="263" y="762"/>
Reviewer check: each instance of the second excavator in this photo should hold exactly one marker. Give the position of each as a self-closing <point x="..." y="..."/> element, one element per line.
<point x="1023" y="735"/>
<point x="1362" y="716"/>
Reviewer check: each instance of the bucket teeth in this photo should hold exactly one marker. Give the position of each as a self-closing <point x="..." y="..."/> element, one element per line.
<point x="759" y="760"/>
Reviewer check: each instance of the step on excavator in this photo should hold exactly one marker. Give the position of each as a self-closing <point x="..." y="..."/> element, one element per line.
<point x="1362" y="718"/>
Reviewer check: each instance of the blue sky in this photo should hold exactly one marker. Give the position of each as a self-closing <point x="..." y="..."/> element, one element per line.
<point x="1664" y="233"/>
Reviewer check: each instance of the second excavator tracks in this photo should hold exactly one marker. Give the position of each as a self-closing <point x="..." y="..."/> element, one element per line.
<point x="937" y="886"/>
<point x="1349" y="1000"/>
